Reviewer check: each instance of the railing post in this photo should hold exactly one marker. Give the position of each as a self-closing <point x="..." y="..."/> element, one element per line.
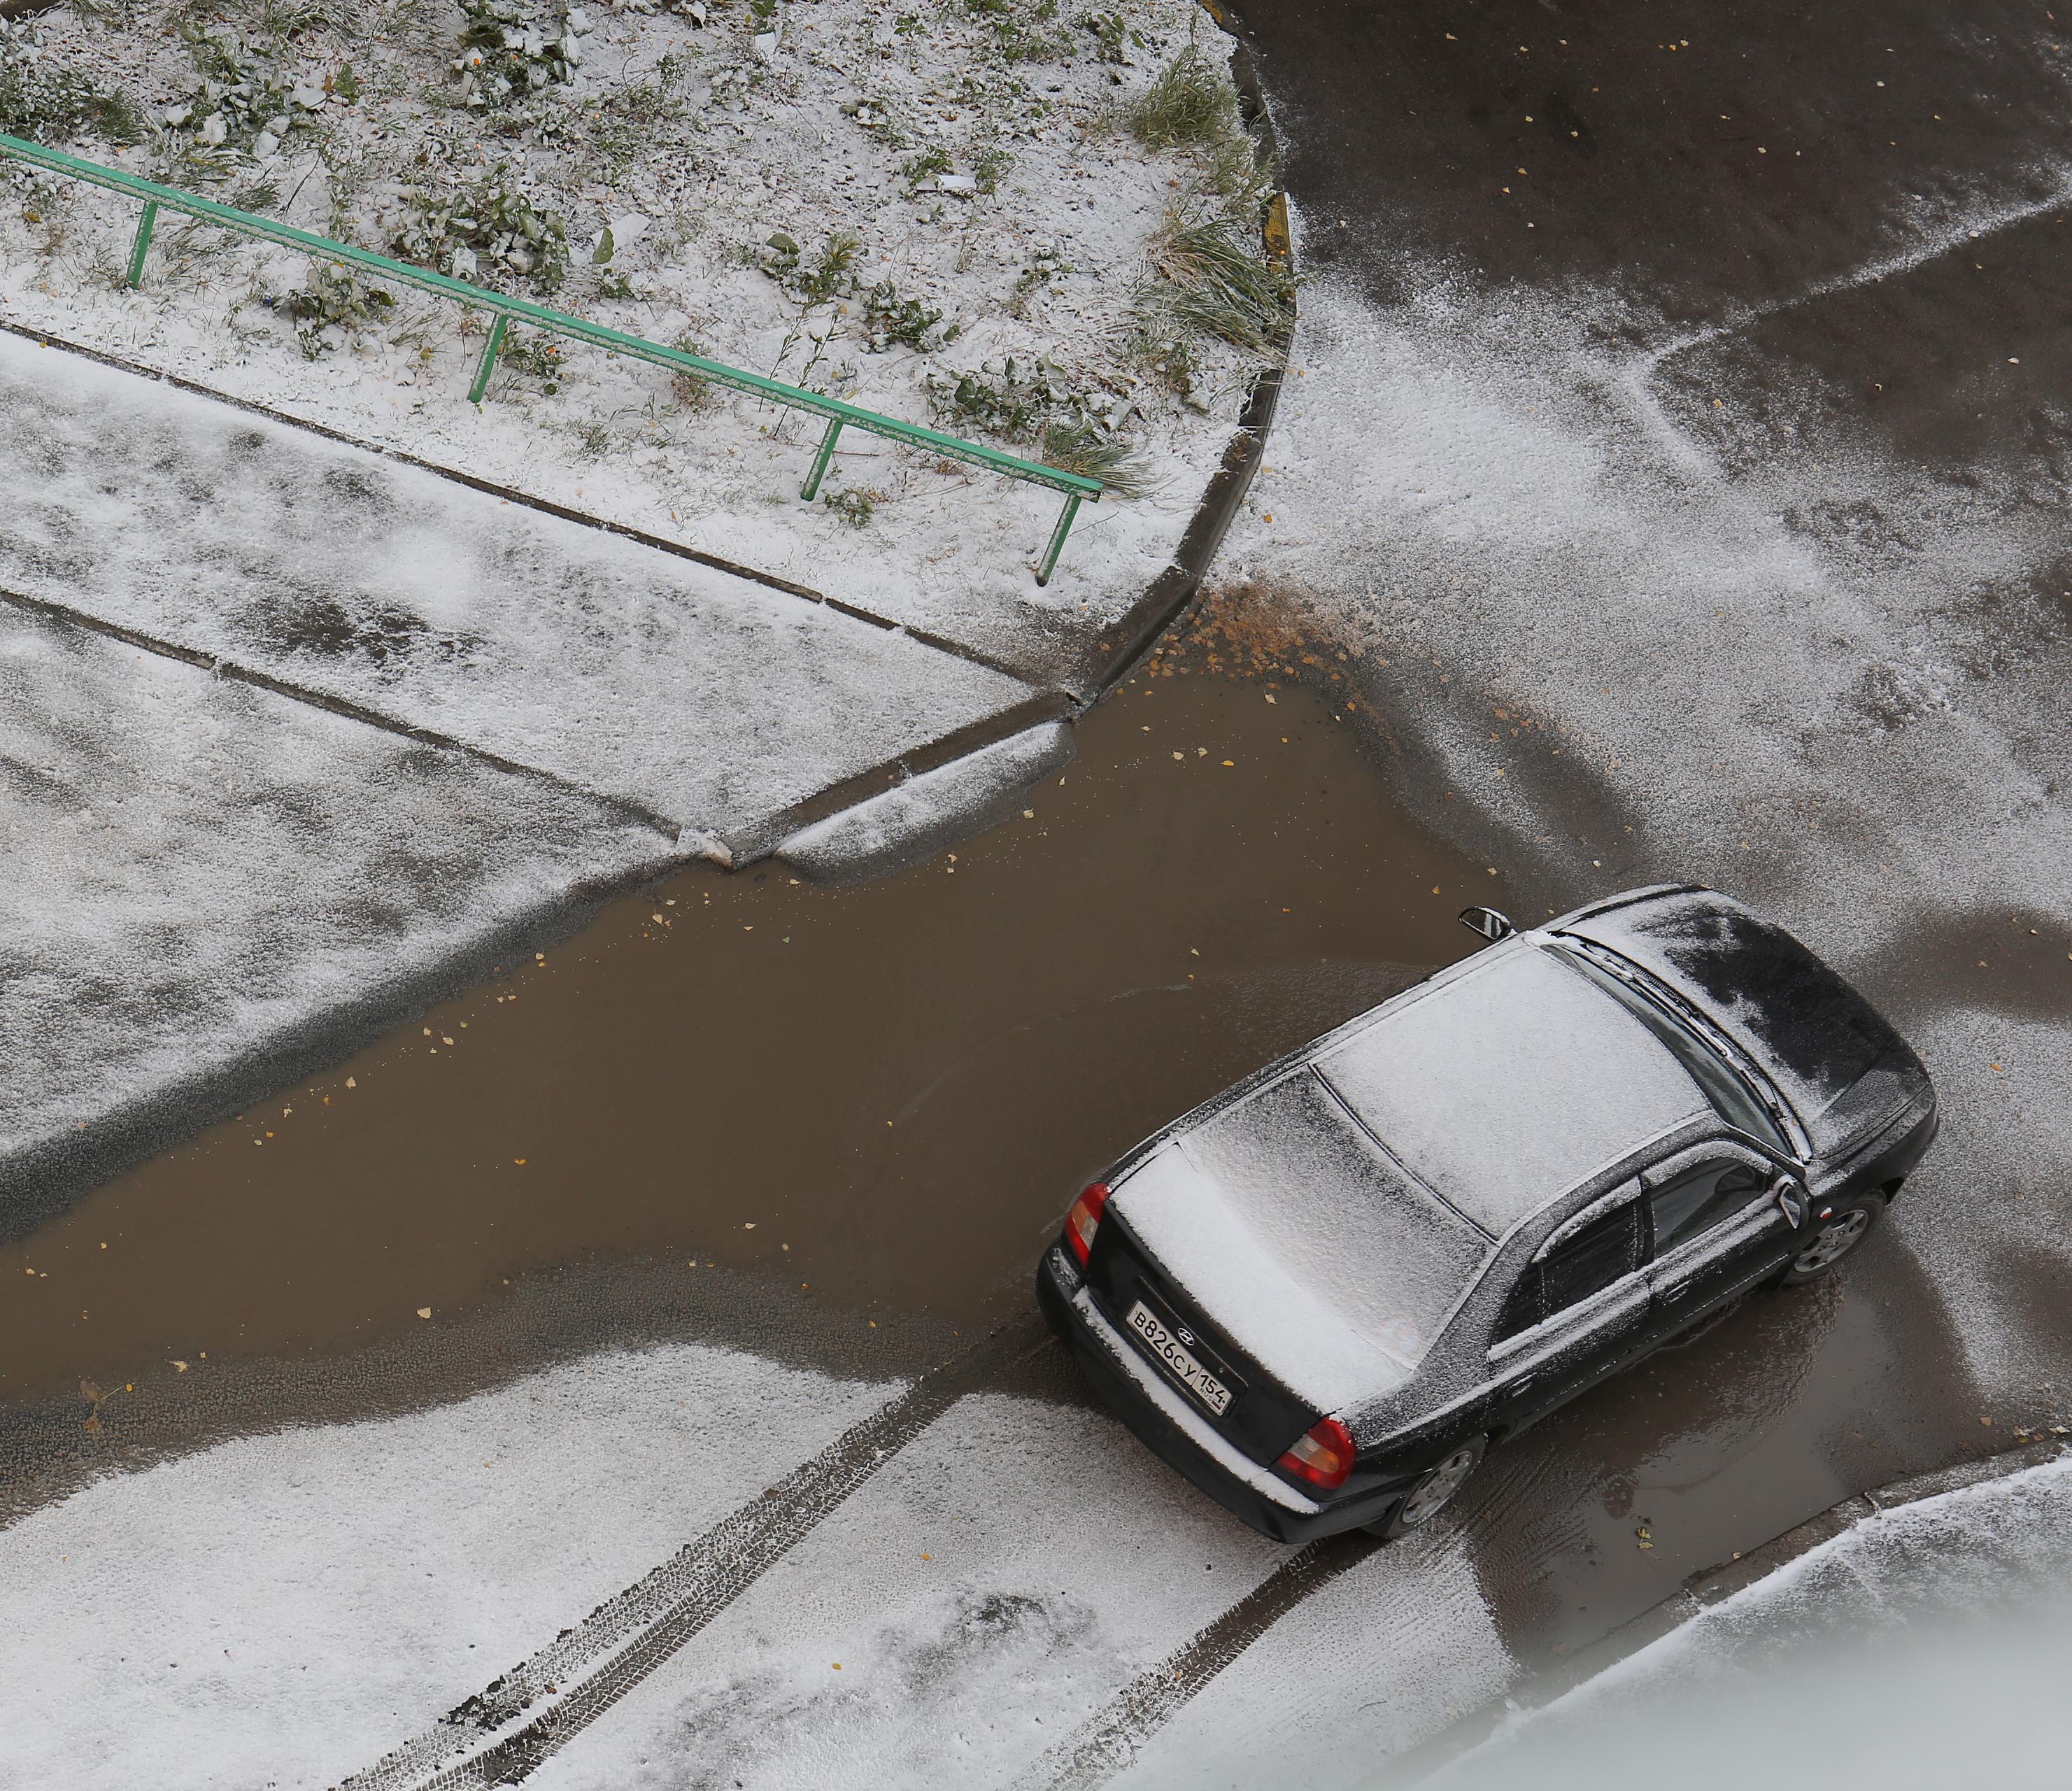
<point x="485" y="366"/>
<point x="821" y="460"/>
<point x="1057" y="538"/>
<point x="143" y="244"/>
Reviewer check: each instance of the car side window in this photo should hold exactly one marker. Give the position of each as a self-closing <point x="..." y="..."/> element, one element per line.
<point x="1700" y="1199"/>
<point x="1585" y="1264"/>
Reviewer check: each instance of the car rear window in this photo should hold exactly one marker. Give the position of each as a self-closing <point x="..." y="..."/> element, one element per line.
<point x="1730" y="1099"/>
<point x="1341" y="1218"/>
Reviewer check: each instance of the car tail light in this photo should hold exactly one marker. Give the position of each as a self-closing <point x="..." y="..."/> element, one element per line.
<point x="1084" y="1219"/>
<point x="1324" y="1457"/>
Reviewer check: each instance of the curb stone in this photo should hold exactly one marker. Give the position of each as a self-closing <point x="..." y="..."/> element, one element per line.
<point x="1707" y="1587"/>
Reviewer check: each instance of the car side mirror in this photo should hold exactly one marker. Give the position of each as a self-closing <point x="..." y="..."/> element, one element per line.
<point x="1487" y="921"/>
<point x="1792" y="1199"/>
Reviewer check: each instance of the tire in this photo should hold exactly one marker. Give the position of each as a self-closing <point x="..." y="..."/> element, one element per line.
<point x="1830" y="1239"/>
<point x="1433" y="1492"/>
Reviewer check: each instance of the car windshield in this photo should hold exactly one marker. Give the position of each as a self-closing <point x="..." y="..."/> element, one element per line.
<point x="1730" y="1096"/>
<point x="1338" y="1214"/>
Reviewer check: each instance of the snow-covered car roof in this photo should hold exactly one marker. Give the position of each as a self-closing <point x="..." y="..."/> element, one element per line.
<point x="1505" y="1085"/>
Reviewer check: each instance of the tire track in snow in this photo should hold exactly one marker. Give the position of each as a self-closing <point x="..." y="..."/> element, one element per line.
<point x="533" y="1711"/>
<point x="1109" y="1739"/>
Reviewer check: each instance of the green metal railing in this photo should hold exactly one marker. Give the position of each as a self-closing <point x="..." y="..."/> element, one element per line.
<point x="837" y="415"/>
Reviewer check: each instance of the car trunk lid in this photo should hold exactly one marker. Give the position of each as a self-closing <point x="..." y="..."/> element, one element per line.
<point x="1321" y="1267"/>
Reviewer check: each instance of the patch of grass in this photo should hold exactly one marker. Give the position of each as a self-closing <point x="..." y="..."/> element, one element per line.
<point x="855" y="506"/>
<point x="535" y="354"/>
<point x="492" y="227"/>
<point x="1191" y="106"/>
<point x="810" y="282"/>
<point x="1210" y="273"/>
<point x="1081" y="448"/>
<point x="1113" y="37"/>
<point x="510" y="52"/>
<point x="921" y="169"/>
<point x="333" y="300"/>
<point x="1011" y="398"/>
<point x="991" y="165"/>
<point x="693" y="391"/>
<point x="40" y="98"/>
<point x="1022" y="30"/>
<point x="890" y="320"/>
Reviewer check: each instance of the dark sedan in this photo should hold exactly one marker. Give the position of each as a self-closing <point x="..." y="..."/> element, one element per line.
<point x="1323" y="1296"/>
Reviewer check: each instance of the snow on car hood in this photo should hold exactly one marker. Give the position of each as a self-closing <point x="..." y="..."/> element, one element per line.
<point x="1833" y="1056"/>
<point x="1280" y="1221"/>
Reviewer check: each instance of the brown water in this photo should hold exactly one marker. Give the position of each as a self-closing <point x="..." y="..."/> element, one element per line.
<point x="881" y="1098"/>
<point x="832" y="1125"/>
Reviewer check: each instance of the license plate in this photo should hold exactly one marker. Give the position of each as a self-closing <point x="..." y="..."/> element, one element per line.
<point x="1159" y="1341"/>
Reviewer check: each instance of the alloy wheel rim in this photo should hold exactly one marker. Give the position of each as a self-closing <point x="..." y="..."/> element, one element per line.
<point x="1439" y="1486"/>
<point x="1833" y="1242"/>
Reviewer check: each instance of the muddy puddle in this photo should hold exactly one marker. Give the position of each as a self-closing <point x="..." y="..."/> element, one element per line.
<point x="836" y="1126"/>
<point x="878" y="1099"/>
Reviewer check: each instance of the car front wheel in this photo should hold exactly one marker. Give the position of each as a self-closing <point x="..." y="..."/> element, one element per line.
<point x="1830" y="1239"/>
<point x="1432" y="1493"/>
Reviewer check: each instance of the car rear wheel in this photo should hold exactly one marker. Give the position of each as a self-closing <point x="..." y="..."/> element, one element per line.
<point x="1432" y="1493"/>
<point x="1830" y="1239"/>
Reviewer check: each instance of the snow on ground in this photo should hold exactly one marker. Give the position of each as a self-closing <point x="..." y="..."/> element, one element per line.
<point x="1618" y="646"/>
<point x="1925" y="1647"/>
<point x="282" y="1610"/>
<point x="707" y="698"/>
<point x="286" y="1609"/>
<point x="205" y="881"/>
<point x="987" y="1592"/>
<point x="976" y="154"/>
<point x="1384" y="1658"/>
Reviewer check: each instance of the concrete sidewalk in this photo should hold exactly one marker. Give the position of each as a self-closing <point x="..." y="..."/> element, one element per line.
<point x="294" y="737"/>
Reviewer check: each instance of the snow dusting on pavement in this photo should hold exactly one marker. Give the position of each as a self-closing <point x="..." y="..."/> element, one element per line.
<point x="1815" y="701"/>
<point x="208" y="882"/>
<point x="707" y="699"/>
<point x="282" y="1610"/>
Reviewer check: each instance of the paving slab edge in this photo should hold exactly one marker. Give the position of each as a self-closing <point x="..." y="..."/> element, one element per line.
<point x="1701" y="1591"/>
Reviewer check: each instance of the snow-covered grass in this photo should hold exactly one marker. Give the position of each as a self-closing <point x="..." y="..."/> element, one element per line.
<point x="946" y="210"/>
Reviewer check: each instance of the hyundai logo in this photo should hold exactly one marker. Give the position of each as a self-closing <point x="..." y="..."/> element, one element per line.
<point x="1183" y="1333"/>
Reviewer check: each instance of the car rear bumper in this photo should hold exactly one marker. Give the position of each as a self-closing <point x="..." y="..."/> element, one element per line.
<point x="1161" y="1419"/>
